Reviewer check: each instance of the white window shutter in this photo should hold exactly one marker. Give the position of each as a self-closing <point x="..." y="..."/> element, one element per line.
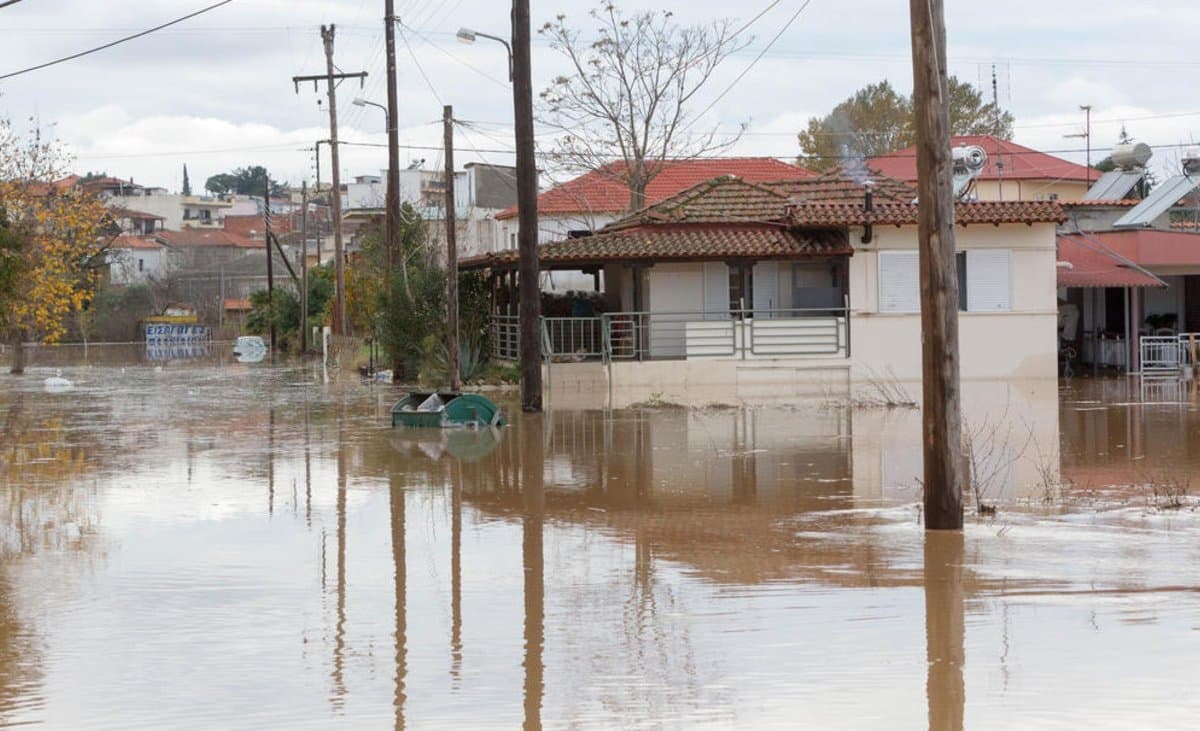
<point x="716" y="290"/>
<point x="989" y="280"/>
<point x="766" y="287"/>
<point x="899" y="281"/>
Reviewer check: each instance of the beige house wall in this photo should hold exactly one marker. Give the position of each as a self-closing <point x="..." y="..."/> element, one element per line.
<point x="1031" y="190"/>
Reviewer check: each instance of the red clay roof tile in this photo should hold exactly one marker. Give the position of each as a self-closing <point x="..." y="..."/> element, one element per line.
<point x="606" y="191"/>
<point x="1020" y="162"/>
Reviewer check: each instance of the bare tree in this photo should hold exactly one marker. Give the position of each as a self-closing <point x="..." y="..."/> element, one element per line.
<point x="625" y="109"/>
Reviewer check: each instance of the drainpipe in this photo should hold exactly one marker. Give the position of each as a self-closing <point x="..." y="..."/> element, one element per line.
<point x="868" y="207"/>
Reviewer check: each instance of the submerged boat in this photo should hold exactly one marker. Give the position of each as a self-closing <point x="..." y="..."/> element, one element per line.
<point x="446" y="409"/>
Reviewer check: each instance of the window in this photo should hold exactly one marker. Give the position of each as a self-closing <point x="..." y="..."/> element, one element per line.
<point x="899" y="282"/>
<point x="141" y="265"/>
<point x="988" y="280"/>
<point x="984" y="281"/>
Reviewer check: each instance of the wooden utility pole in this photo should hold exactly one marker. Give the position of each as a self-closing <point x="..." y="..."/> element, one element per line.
<point x="393" y="180"/>
<point x="942" y="415"/>
<point x="270" y="268"/>
<point x="339" y="303"/>
<point x="303" y="267"/>
<point x="451" y="253"/>
<point x="527" y="232"/>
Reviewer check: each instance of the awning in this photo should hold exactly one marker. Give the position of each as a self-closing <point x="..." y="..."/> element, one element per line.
<point x="1085" y="262"/>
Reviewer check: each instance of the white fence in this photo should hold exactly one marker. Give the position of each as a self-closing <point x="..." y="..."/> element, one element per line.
<point x="1167" y="355"/>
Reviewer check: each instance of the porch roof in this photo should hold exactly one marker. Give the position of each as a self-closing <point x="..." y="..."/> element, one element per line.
<point x="1092" y="264"/>
<point x="676" y="243"/>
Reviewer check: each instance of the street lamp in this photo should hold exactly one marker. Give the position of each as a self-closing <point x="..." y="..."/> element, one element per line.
<point x="466" y="35"/>
<point x="360" y="102"/>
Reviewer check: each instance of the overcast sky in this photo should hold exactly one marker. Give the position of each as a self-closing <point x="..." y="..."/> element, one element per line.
<point x="215" y="92"/>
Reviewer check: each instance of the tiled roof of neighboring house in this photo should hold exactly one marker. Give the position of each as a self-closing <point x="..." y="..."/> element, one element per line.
<point x="1150" y="247"/>
<point x="134" y="242"/>
<point x="237" y="305"/>
<point x="194" y="237"/>
<point x="1094" y="265"/>
<point x="123" y="212"/>
<point x="1020" y="162"/>
<point x="676" y="243"/>
<point x="605" y="191"/>
<point x="251" y="226"/>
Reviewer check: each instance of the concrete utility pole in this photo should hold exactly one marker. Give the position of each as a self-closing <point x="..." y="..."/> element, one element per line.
<point x="527" y="236"/>
<point x="942" y="415"/>
<point x="270" y="268"/>
<point x="327" y="32"/>
<point x="303" y="267"/>
<point x="393" y="179"/>
<point x="451" y="254"/>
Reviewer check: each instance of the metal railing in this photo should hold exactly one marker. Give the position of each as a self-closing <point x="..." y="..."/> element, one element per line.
<point x="573" y="338"/>
<point x="625" y="336"/>
<point x="1167" y="354"/>
<point x="506" y="337"/>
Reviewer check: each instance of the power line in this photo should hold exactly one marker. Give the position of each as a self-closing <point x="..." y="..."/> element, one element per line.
<point x="749" y="66"/>
<point x="119" y="41"/>
<point x="404" y="37"/>
<point x="9" y="2"/>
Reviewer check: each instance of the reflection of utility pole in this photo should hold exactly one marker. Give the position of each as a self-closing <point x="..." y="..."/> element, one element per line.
<point x="399" y="562"/>
<point x="942" y="412"/>
<point x="944" y="630"/>
<point x="339" y="642"/>
<point x="456" y="570"/>
<point x="327" y="32"/>
<point x="533" y="560"/>
<point x="1086" y="134"/>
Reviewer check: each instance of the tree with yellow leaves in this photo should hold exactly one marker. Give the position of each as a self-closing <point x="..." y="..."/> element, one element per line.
<point x="53" y="239"/>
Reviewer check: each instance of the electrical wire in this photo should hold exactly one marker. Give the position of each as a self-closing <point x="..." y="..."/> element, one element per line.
<point x="119" y="41"/>
<point x="751" y="65"/>
<point x="404" y="37"/>
<point x="9" y="2"/>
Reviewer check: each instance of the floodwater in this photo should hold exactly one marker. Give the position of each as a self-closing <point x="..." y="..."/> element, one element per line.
<point x="218" y="545"/>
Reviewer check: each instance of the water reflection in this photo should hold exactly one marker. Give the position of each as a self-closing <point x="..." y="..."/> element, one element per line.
<point x="734" y="567"/>
<point x="532" y="561"/>
<point x="944" y="629"/>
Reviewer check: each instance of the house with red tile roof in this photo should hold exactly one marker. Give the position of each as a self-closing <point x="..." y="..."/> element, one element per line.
<point x="1012" y="172"/>
<point x="807" y="281"/>
<point x="596" y="198"/>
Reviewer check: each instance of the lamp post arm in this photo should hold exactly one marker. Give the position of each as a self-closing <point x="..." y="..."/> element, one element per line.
<point x="507" y="48"/>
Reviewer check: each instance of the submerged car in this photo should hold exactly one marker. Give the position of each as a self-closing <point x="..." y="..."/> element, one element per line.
<point x="249" y="348"/>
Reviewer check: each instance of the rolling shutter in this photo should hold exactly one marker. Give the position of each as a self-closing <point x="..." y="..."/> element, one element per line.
<point x="899" y="282"/>
<point x="766" y="288"/>
<point x="989" y="280"/>
<point x="716" y="290"/>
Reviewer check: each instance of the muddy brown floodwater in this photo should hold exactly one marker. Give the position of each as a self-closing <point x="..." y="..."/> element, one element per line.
<point x="222" y="546"/>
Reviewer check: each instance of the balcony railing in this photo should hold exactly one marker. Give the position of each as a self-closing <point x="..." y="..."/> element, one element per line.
<point x="634" y="336"/>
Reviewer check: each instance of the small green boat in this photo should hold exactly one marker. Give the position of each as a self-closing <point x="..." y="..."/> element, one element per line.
<point x="446" y="409"/>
